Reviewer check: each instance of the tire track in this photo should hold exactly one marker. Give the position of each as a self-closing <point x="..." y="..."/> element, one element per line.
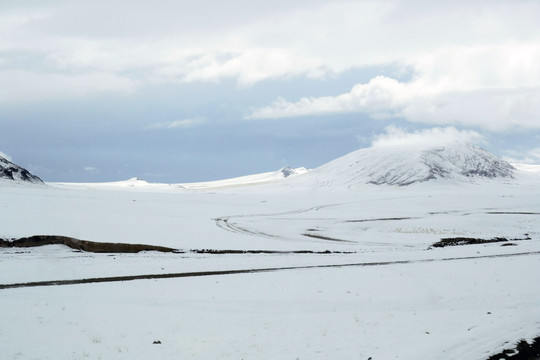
<point x="225" y="223"/>
<point x="245" y="271"/>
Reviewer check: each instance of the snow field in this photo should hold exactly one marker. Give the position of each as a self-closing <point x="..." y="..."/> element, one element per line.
<point x="439" y="310"/>
<point x="461" y="302"/>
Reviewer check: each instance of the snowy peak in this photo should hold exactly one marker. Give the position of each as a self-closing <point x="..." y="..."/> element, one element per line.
<point x="405" y="165"/>
<point x="468" y="160"/>
<point x="13" y="172"/>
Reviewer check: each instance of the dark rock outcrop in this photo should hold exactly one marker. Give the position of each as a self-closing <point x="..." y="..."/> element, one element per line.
<point x="13" y="172"/>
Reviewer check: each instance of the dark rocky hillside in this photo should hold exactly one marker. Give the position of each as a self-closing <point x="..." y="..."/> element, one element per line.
<point x="11" y="171"/>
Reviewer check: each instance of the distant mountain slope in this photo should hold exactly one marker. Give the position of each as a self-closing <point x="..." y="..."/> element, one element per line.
<point x="248" y="180"/>
<point x="405" y="165"/>
<point x="263" y="178"/>
<point x="13" y="172"/>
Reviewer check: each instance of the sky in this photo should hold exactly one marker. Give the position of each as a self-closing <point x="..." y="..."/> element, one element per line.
<point x="182" y="91"/>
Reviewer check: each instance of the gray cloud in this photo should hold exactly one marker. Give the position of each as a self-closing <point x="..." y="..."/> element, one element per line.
<point x="491" y="87"/>
<point x="22" y="86"/>
<point x="211" y="40"/>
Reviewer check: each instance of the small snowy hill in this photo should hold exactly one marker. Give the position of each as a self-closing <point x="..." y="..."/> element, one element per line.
<point x="139" y="184"/>
<point x="12" y="172"/>
<point x="263" y="178"/>
<point x="403" y="165"/>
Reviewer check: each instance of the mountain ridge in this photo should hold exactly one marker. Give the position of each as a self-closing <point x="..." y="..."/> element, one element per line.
<point x="393" y="165"/>
<point x="403" y="165"/>
<point x="13" y="172"/>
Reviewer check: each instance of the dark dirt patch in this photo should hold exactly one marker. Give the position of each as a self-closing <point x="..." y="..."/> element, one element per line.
<point x="457" y="241"/>
<point x="522" y="351"/>
<point x="98" y="247"/>
<point x="82" y="245"/>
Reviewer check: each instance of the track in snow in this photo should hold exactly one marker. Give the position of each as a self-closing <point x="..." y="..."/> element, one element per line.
<point x="226" y="223"/>
<point x="244" y="271"/>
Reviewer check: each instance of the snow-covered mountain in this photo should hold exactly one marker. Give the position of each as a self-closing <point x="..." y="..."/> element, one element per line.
<point x="13" y="172"/>
<point x="403" y="165"/>
<point x="398" y="165"/>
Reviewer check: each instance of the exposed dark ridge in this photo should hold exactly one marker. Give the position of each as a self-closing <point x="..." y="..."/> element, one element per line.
<point x="11" y="171"/>
<point x="522" y="351"/>
<point x="457" y="241"/>
<point x="287" y="171"/>
<point x="99" y="247"/>
<point x="84" y="245"/>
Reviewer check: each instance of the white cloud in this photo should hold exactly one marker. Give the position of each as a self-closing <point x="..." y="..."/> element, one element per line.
<point x="176" y="124"/>
<point x="495" y="88"/>
<point x="377" y="97"/>
<point x="523" y="157"/>
<point x="91" y="169"/>
<point x="434" y="136"/>
<point x="260" y="41"/>
<point x="456" y="47"/>
<point x="247" y="67"/>
<point x="25" y="86"/>
<point x="5" y="156"/>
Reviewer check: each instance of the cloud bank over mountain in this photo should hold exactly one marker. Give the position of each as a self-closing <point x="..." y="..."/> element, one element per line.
<point x="428" y="137"/>
<point x="260" y="80"/>
<point x="460" y="86"/>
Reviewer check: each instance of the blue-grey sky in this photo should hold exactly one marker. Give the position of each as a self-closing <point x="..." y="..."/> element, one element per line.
<point x="178" y="91"/>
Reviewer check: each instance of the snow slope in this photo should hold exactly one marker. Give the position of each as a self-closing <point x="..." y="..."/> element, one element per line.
<point x="403" y="165"/>
<point x="133" y="184"/>
<point x="242" y="181"/>
<point x="256" y="179"/>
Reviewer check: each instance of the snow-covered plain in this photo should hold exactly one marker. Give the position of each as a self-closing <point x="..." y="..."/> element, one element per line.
<point x="390" y="296"/>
